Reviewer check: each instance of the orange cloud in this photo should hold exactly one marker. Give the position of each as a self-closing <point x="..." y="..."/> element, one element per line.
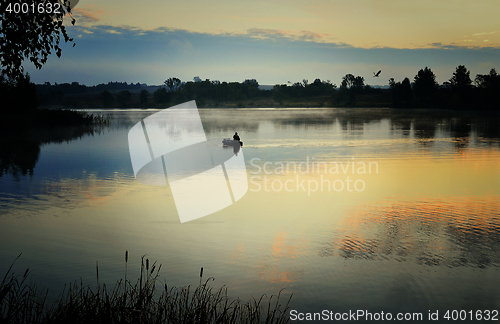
<point x="87" y="14"/>
<point x="429" y="231"/>
<point x="303" y="35"/>
<point x="275" y="275"/>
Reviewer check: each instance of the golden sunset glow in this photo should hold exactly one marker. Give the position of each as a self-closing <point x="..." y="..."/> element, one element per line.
<point x="363" y="23"/>
<point x="460" y="217"/>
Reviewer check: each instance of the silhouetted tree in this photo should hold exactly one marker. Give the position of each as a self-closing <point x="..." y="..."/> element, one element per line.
<point x="280" y="93"/>
<point x="30" y="36"/>
<point x="124" y="96"/>
<point x="488" y="81"/>
<point x="461" y="81"/>
<point x="425" y="86"/>
<point x="359" y="83"/>
<point x="406" y="93"/>
<point x="401" y="92"/>
<point x="319" y="88"/>
<point x="349" y="87"/>
<point x="460" y="85"/>
<point x="347" y="81"/>
<point x="488" y="88"/>
<point x="161" y="96"/>
<point x="107" y="98"/>
<point x="250" y="88"/>
<point x="173" y="84"/>
<point x="18" y="95"/>
<point x="143" y="96"/>
<point x="251" y="83"/>
<point x="4" y="90"/>
<point x="296" y="89"/>
<point x="190" y="90"/>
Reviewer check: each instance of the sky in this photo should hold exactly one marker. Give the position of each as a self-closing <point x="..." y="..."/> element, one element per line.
<point x="275" y="42"/>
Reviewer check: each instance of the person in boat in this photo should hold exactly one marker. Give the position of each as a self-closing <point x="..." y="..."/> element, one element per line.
<point x="236" y="137"/>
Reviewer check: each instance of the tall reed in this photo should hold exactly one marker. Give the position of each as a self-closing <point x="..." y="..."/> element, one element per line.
<point x="145" y="301"/>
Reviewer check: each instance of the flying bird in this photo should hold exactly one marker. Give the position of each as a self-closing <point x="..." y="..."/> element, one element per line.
<point x="375" y="75"/>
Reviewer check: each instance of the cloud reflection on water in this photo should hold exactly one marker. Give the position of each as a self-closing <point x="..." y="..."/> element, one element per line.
<point x="432" y="231"/>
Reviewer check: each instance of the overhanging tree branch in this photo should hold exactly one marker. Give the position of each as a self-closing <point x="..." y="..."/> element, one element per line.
<point x="32" y="31"/>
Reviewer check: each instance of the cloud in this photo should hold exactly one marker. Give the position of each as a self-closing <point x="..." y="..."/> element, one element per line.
<point x="263" y="33"/>
<point x="451" y="46"/>
<point x="87" y="15"/>
<point x="303" y="35"/>
<point x="124" y="53"/>
<point x="485" y="33"/>
<point x="458" y="46"/>
<point x="311" y="36"/>
<point x="103" y="31"/>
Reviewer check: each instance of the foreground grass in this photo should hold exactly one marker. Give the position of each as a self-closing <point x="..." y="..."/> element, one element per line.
<point x="145" y="301"/>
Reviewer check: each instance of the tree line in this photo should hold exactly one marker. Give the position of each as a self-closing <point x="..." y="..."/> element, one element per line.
<point x="33" y="38"/>
<point x="459" y="92"/>
<point x="216" y="92"/>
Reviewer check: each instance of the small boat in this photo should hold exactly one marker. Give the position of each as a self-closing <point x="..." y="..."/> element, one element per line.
<point x="231" y="142"/>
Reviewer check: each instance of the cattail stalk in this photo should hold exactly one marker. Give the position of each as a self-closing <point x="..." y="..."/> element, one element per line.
<point x="126" y="264"/>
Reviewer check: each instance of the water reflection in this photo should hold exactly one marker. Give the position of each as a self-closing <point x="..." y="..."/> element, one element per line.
<point x="425" y="129"/>
<point x="402" y="125"/>
<point x="352" y="127"/>
<point x="488" y="129"/>
<point x="447" y="232"/>
<point x="235" y="148"/>
<point x="327" y="248"/>
<point x="18" y="156"/>
<point x="19" y="152"/>
<point x="283" y="249"/>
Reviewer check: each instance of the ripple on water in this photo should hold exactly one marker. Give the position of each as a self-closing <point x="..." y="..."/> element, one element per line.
<point x="447" y="232"/>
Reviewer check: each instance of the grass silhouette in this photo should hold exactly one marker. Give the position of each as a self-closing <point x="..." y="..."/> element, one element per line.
<point x="145" y="301"/>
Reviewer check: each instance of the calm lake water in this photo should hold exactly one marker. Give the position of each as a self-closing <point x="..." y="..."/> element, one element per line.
<point x="348" y="209"/>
